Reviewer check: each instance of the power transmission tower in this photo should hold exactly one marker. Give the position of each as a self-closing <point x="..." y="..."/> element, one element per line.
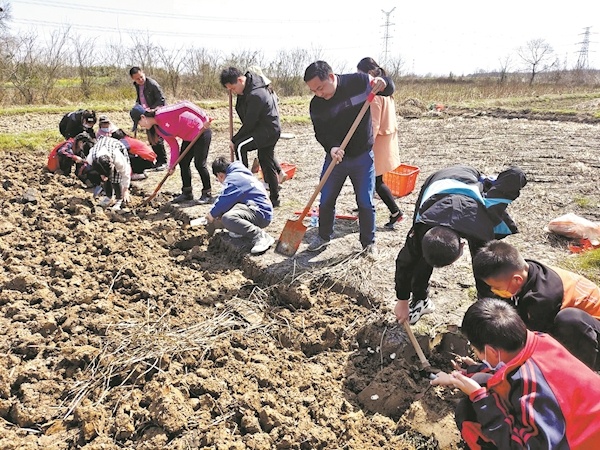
<point x="582" y="60"/>
<point x="386" y="34"/>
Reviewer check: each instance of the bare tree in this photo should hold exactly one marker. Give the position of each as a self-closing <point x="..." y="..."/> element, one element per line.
<point x="143" y="51"/>
<point x="505" y="64"/>
<point x="202" y="66"/>
<point x="5" y="16"/>
<point x="395" y="67"/>
<point x="535" y="53"/>
<point x="287" y="70"/>
<point x="172" y="61"/>
<point x="84" y="53"/>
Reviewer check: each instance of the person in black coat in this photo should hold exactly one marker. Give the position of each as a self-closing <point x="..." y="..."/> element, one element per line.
<point x="454" y="204"/>
<point x="77" y="122"/>
<point x="149" y="94"/>
<point x="256" y="106"/>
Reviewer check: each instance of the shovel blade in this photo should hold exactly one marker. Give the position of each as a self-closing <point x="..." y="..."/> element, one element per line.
<point x="291" y="237"/>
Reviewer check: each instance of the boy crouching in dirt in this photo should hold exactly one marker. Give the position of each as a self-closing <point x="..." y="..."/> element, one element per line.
<point x="548" y="299"/>
<point x="110" y="159"/>
<point x="540" y="395"/>
<point x="243" y="207"/>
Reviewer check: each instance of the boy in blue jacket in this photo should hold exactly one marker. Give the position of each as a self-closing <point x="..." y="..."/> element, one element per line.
<point x="243" y="207"/>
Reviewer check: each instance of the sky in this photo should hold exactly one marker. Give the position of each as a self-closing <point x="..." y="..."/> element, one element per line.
<point x="435" y="37"/>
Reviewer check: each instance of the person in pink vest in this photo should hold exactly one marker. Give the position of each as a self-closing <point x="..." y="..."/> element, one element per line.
<point x="186" y="121"/>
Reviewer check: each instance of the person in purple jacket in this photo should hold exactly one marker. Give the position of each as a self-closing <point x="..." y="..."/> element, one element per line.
<point x="243" y="207"/>
<point x="182" y="120"/>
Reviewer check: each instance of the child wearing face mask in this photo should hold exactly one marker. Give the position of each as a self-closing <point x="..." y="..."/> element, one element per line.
<point x="548" y="299"/>
<point x="539" y="396"/>
<point x="106" y="127"/>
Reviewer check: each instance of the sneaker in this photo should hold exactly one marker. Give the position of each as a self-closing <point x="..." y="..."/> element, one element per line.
<point x="318" y="243"/>
<point x="159" y="167"/>
<point x="234" y="235"/>
<point x="106" y="201"/>
<point x="371" y="251"/>
<point x="117" y="205"/>
<point x="394" y="219"/>
<point x="138" y="176"/>
<point x="185" y="197"/>
<point x="263" y="243"/>
<point x="205" y="199"/>
<point x="417" y="308"/>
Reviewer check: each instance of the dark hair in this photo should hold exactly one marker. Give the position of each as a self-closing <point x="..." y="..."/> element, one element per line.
<point x="87" y="140"/>
<point x="134" y="70"/>
<point x="366" y="65"/>
<point x="497" y="259"/>
<point x="317" y="69"/>
<point x="103" y="165"/>
<point x="88" y="116"/>
<point x="440" y="246"/>
<point x="494" y="322"/>
<point x="220" y="165"/>
<point x="119" y="134"/>
<point x="230" y="75"/>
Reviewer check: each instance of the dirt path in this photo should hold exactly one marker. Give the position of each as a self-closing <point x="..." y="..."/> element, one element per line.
<point x="135" y="331"/>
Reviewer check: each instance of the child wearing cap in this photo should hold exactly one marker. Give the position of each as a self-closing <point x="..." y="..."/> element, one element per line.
<point x="106" y="127"/>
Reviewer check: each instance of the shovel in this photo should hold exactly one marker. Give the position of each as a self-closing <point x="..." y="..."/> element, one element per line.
<point x="167" y="175"/>
<point x="230" y="125"/>
<point x="425" y="366"/>
<point x="294" y="230"/>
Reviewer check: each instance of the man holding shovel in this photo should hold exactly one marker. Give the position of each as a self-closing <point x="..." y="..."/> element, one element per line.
<point x="337" y="101"/>
<point x="256" y="106"/>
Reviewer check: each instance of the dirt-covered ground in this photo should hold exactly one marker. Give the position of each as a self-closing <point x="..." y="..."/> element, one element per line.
<point x="134" y="330"/>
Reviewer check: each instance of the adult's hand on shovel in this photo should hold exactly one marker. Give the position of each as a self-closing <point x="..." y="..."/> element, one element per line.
<point x="378" y="84"/>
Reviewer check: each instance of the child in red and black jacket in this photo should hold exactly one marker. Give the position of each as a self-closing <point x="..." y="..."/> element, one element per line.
<point x="540" y="396"/>
<point x="548" y="299"/>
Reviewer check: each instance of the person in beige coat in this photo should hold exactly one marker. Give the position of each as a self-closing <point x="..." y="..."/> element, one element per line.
<point x="385" y="148"/>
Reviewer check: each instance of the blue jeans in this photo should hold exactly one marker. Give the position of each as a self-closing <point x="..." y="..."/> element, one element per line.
<point x="362" y="175"/>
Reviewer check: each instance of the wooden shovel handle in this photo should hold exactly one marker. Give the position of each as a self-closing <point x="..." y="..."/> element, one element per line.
<point x="349" y="135"/>
<point x="230" y="125"/>
<point x="424" y="363"/>
<point x="181" y="156"/>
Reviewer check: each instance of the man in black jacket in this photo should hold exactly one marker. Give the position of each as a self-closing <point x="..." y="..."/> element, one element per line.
<point x="150" y="95"/>
<point x="454" y="203"/>
<point x="256" y="106"/>
<point x="336" y="103"/>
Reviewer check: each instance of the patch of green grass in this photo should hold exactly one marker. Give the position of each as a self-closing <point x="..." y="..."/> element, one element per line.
<point x="53" y="109"/>
<point x="30" y="141"/>
<point x="584" y="202"/>
<point x="301" y="120"/>
<point x="587" y="264"/>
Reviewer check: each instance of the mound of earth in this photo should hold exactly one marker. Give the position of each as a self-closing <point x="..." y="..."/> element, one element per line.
<point x="134" y="330"/>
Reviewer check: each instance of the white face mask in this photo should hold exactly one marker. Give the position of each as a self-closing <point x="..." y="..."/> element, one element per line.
<point x="104" y="129"/>
<point x="485" y="361"/>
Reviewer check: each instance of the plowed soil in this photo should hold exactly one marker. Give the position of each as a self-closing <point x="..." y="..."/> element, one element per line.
<point x="134" y="330"/>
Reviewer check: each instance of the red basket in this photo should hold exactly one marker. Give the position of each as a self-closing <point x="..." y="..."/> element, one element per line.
<point x="289" y="169"/>
<point x="401" y="180"/>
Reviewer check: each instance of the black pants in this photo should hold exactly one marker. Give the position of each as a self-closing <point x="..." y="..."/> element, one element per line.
<point x="138" y="165"/>
<point x="269" y="165"/>
<point x="385" y="194"/>
<point x="199" y="153"/>
<point x="579" y="332"/>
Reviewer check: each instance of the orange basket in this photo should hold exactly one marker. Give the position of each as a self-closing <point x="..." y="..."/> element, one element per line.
<point x="401" y="180"/>
<point x="289" y="169"/>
